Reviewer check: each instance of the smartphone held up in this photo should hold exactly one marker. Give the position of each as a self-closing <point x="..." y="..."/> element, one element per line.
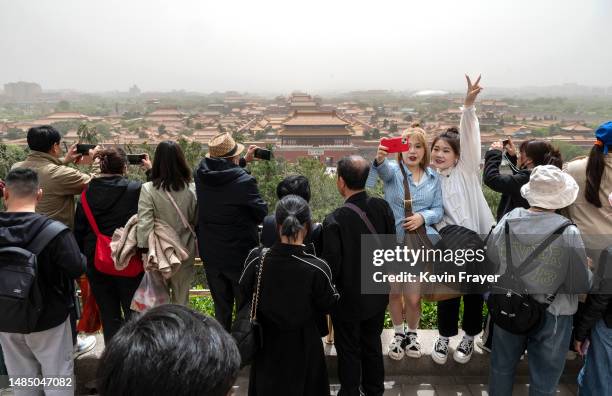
<point x="263" y="154"/>
<point x="396" y="144"/>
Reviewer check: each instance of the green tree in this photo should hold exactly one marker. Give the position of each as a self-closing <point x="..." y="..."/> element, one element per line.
<point x="569" y="151"/>
<point x="14" y="133"/>
<point x="199" y="125"/>
<point x="63" y="105"/>
<point x="161" y="129"/>
<point x="87" y="134"/>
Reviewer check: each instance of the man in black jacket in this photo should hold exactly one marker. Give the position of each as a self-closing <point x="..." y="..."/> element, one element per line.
<point x="48" y="349"/>
<point x="358" y="318"/>
<point x="230" y="210"/>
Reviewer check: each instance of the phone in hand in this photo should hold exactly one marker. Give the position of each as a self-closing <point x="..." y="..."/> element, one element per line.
<point x="136" y="159"/>
<point x="83" y="148"/>
<point x="396" y="144"/>
<point x="505" y="142"/>
<point x="263" y="154"/>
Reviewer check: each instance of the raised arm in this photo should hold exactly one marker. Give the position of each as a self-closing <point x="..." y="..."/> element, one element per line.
<point x="469" y="129"/>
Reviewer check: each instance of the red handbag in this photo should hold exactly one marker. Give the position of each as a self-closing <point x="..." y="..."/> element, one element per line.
<point x="103" y="260"/>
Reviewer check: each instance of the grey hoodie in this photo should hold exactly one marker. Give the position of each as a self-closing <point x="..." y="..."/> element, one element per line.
<point x="560" y="268"/>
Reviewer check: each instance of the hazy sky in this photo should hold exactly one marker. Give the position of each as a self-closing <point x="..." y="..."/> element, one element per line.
<point x="315" y="45"/>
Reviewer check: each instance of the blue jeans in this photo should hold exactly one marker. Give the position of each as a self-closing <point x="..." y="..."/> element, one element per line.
<point x="547" y="348"/>
<point x="595" y="378"/>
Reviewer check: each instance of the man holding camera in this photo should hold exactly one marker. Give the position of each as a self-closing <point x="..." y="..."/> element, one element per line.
<point x="230" y="210"/>
<point x="59" y="183"/>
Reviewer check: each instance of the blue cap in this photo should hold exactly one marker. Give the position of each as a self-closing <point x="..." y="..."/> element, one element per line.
<point x="604" y="135"/>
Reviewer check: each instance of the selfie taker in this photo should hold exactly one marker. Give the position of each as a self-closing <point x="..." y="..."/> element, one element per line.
<point x="413" y="192"/>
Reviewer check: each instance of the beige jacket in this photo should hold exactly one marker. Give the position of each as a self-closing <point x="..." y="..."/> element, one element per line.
<point x="60" y="183"/>
<point x="595" y="224"/>
<point x="155" y="205"/>
<point x="166" y="253"/>
<point x="124" y="244"/>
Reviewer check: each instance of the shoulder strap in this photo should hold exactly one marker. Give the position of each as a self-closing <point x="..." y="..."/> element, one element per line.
<point x="89" y="214"/>
<point x="50" y="231"/>
<point x="407" y="197"/>
<point x="364" y="218"/>
<point x="180" y="213"/>
<point x="550" y="239"/>
<point x="361" y="214"/>
<point x="262" y="255"/>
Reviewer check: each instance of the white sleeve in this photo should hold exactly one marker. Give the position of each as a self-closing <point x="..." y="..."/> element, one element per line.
<point x="469" y="139"/>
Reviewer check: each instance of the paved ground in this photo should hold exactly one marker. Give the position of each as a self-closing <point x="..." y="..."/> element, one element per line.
<point x="421" y="377"/>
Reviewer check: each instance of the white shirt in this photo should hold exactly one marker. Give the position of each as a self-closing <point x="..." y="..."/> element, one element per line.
<point x="462" y="196"/>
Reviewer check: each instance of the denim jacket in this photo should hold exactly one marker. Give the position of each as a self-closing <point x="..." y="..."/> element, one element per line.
<point x="426" y="197"/>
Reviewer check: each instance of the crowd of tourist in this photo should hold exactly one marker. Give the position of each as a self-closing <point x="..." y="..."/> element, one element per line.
<point x="552" y="235"/>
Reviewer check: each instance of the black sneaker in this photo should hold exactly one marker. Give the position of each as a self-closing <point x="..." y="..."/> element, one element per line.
<point x="411" y="345"/>
<point x="463" y="353"/>
<point x="440" y="351"/>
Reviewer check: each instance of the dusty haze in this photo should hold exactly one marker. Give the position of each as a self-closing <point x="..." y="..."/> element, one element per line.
<point x="276" y="45"/>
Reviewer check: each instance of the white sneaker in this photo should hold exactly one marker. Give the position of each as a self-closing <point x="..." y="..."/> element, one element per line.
<point x="83" y="345"/>
<point x="464" y="351"/>
<point x="411" y="345"/>
<point x="396" y="351"/>
<point x="481" y="345"/>
<point x="439" y="354"/>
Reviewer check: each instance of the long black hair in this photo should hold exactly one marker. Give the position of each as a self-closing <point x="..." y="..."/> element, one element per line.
<point x="293" y="215"/>
<point x="594" y="171"/>
<point x="170" y="170"/>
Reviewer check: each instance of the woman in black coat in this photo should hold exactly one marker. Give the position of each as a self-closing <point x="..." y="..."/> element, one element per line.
<point x="113" y="199"/>
<point x="295" y="288"/>
<point x="532" y="153"/>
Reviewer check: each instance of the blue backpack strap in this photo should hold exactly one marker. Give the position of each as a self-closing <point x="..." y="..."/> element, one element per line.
<point x="50" y="231"/>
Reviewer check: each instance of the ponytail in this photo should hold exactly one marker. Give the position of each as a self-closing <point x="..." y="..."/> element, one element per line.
<point x="292" y="215"/>
<point x="594" y="172"/>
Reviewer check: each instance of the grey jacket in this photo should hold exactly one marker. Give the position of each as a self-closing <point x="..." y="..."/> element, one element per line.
<point x="561" y="268"/>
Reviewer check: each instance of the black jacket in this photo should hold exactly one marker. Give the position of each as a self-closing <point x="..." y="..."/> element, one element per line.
<point x="597" y="306"/>
<point x="296" y="288"/>
<point x="58" y="264"/>
<point x="230" y="209"/>
<point x="508" y="185"/>
<point x="112" y="200"/>
<point x="342" y="231"/>
<point x="313" y="240"/>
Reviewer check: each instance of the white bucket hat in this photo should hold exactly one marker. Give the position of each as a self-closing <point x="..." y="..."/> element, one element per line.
<point x="550" y="188"/>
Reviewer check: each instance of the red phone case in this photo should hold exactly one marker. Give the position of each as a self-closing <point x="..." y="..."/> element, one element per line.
<point x="396" y="144"/>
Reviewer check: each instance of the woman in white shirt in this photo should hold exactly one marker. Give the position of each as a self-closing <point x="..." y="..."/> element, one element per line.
<point x="456" y="156"/>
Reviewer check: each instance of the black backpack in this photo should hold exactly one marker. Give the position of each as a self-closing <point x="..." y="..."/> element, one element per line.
<point x="510" y="305"/>
<point x="21" y="301"/>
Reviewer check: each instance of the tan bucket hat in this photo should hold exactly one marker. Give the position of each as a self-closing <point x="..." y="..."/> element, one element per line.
<point x="223" y="146"/>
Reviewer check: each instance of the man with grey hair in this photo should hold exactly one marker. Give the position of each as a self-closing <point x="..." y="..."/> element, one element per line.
<point x="41" y="343"/>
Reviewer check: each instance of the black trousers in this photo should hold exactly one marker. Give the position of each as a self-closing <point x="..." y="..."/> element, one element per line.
<point x="113" y="295"/>
<point x="360" y="358"/>
<point x="225" y="292"/>
<point x="448" y="315"/>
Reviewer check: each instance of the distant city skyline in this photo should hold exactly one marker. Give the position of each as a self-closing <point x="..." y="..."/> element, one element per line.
<point x="315" y="46"/>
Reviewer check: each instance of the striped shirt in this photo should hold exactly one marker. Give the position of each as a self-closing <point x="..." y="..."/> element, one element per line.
<point x="426" y="196"/>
